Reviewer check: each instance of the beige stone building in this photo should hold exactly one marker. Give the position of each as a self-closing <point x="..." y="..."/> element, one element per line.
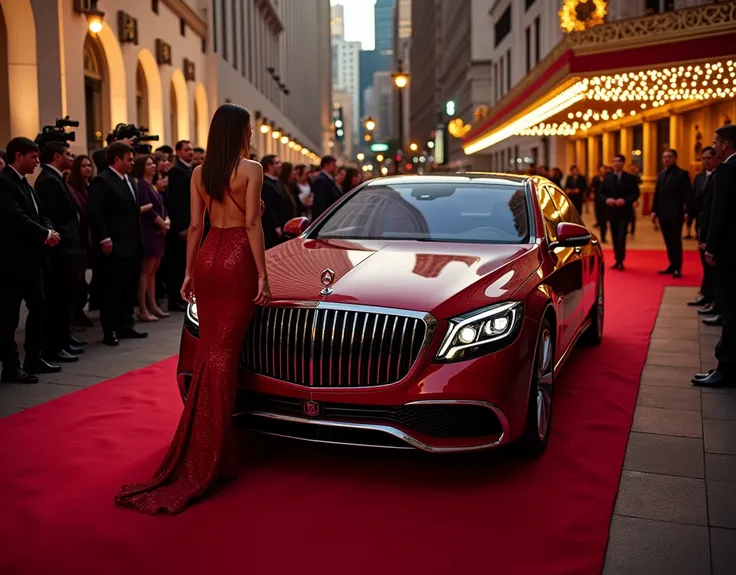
<point x="167" y="65"/>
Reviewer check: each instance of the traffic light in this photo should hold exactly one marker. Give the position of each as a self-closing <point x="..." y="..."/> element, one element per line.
<point x="337" y="120"/>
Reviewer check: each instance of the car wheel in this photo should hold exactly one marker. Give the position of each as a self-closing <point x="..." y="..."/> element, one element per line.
<point x="539" y="412"/>
<point x="594" y="334"/>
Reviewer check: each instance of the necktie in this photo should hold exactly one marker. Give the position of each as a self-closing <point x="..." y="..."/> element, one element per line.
<point x="130" y="187"/>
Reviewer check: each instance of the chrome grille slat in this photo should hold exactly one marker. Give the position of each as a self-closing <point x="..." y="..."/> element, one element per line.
<point x="335" y="347"/>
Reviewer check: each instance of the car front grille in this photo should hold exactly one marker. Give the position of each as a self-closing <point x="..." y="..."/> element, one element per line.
<point x="334" y="346"/>
<point x="442" y="420"/>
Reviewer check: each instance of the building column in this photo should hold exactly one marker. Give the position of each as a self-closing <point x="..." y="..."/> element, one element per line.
<point x="608" y="144"/>
<point x="581" y="157"/>
<point x="627" y="142"/>
<point x="677" y="142"/>
<point x="593" y="159"/>
<point x="649" y="173"/>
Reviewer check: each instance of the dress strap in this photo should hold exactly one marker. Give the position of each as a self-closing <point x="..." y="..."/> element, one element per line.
<point x="237" y="205"/>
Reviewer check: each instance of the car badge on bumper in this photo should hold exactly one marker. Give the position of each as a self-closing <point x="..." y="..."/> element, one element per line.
<point x="327" y="278"/>
<point x="311" y="408"/>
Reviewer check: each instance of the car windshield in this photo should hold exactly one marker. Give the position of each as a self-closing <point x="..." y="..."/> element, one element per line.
<point x="432" y="211"/>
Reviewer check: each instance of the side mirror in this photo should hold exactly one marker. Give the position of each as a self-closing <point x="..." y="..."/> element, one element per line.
<point x="296" y="227"/>
<point x="571" y="236"/>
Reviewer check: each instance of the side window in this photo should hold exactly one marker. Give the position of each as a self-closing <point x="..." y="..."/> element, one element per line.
<point x="564" y="206"/>
<point x="550" y="213"/>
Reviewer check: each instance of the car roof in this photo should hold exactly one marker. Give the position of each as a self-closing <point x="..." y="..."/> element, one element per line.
<point x="458" y="178"/>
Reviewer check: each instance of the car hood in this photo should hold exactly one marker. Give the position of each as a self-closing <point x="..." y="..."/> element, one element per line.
<point x="441" y="278"/>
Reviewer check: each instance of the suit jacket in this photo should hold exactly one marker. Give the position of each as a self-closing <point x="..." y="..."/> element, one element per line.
<point x="62" y="209"/>
<point x="581" y="183"/>
<point x="721" y="241"/>
<point x="272" y="213"/>
<point x="177" y="197"/>
<point x="673" y="194"/>
<point x="703" y="203"/>
<point x="627" y="189"/>
<point x="325" y="193"/>
<point x="24" y="229"/>
<point x="113" y="213"/>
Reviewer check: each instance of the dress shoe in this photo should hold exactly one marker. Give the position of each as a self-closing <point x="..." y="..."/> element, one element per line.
<point x="131" y="333"/>
<point x="666" y="271"/>
<point x="715" y="321"/>
<point x="700" y="300"/>
<point x="710" y="309"/>
<point x="715" y="379"/>
<point x="40" y="366"/>
<point x="703" y="375"/>
<point x="74" y="350"/>
<point x="676" y="274"/>
<point x="61" y="356"/>
<point x="111" y="339"/>
<point x="17" y="375"/>
<point x="73" y="341"/>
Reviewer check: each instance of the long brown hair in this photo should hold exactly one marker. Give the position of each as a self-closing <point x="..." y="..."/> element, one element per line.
<point x="139" y="166"/>
<point x="76" y="180"/>
<point x="225" y="144"/>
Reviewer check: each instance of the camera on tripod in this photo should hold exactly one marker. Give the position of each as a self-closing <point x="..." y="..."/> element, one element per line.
<point x="135" y="133"/>
<point x="57" y="132"/>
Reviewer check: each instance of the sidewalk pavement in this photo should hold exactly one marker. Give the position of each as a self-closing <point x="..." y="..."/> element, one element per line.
<point x="676" y="507"/>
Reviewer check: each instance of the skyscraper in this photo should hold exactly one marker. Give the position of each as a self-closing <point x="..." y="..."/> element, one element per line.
<point x="337" y="21"/>
<point x="384" y="11"/>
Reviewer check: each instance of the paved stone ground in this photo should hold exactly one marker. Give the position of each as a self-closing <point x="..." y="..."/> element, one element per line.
<point x="97" y="363"/>
<point x="676" y="507"/>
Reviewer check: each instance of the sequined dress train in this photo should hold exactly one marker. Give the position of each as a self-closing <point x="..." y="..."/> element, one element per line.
<point x="202" y="453"/>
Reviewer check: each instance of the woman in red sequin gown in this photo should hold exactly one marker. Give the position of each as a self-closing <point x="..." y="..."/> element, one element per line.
<point x="228" y="275"/>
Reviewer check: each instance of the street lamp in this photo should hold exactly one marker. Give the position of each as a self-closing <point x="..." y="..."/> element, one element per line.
<point x="360" y="156"/>
<point x="93" y="14"/>
<point x="370" y="124"/>
<point x="413" y="147"/>
<point x="401" y="80"/>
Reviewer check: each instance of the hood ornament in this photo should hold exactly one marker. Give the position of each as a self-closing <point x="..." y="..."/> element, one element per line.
<point x="327" y="278"/>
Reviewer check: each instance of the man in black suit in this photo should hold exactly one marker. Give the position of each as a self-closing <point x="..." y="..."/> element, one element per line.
<point x="673" y="199"/>
<point x="114" y="219"/>
<point x="25" y="235"/>
<point x="62" y="278"/>
<point x="272" y="218"/>
<point x="619" y="190"/>
<point x="324" y="187"/>
<point x="720" y="251"/>
<point x="177" y="203"/>
<point x="575" y="187"/>
<point x="703" y="203"/>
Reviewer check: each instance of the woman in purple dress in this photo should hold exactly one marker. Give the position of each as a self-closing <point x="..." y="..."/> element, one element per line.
<point x="154" y="225"/>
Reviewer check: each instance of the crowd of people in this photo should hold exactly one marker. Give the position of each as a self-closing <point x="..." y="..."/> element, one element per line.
<point x="108" y="232"/>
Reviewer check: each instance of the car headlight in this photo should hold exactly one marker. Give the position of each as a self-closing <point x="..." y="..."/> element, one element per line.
<point x="481" y="331"/>
<point x="192" y="319"/>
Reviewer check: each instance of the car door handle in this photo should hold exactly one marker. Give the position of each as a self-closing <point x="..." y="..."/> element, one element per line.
<point x="578" y="250"/>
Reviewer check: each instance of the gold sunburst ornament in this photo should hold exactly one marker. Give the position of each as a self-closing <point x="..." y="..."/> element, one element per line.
<point x="579" y="15"/>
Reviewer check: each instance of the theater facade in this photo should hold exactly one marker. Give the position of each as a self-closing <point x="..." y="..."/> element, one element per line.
<point x="636" y="86"/>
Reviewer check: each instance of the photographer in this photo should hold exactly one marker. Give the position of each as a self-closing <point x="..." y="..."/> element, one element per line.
<point x="25" y="234"/>
<point x="61" y="279"/>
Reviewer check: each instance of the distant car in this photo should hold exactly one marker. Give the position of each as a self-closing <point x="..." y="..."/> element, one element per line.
<point x="428" y="312"/>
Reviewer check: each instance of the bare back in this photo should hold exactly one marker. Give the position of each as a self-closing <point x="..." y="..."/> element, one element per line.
<point x="231" y="211"/>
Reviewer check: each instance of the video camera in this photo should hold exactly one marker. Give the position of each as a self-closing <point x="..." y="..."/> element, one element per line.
<point x="135" y="133"/>
<point x="57" y="133"/>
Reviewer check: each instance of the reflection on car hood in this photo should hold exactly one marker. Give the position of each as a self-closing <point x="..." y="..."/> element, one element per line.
<point x="441" y="278"/>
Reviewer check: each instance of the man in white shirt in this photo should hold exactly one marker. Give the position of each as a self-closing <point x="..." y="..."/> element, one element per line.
<point x="25" y="236"/>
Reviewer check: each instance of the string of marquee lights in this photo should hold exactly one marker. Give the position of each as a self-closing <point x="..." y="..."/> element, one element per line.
<point x="643" y="89"/>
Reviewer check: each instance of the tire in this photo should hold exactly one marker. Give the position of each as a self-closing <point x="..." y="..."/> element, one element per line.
<point x="533" y="441"/>
<point x="594" y="334"/>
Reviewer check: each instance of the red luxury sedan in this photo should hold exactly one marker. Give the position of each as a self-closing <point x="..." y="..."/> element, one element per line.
<point x="429" y="312"/>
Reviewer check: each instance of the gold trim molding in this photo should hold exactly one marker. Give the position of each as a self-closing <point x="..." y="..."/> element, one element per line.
<point x="189" y="15"/>
<point x="708" y="20"/>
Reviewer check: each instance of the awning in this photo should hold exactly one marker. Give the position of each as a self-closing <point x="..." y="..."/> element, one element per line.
<point x="619" y="70"/>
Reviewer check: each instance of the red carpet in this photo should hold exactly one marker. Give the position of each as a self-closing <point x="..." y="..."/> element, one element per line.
<point x="307" y="509"/>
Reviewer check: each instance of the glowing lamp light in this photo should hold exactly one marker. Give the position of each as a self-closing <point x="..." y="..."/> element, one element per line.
<point x="379" y="158"/>
<point x="370" y="124"/>
<point x="291" y="144"/>
<point x="94" y="23"/>
<point x="360" y="156"/>
<point x="265" y="129"/>
<point x="413" y="147"/>
<point x="384" y="170"/>
<point x="284" y="139"/>
<point x="276" y="134"/>
<point x="304" y="151"/>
